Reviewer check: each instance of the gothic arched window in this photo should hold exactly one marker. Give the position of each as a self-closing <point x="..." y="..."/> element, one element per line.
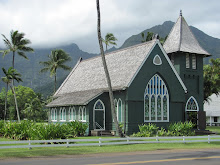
<point x="156" y="101"/>
<point x="192" y="105"/>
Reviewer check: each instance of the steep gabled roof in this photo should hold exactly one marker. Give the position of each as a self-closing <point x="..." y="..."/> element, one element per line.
<point x="87" y="79"/>
<point x="122" y="65"/>
<point x="182" y="39"/>
<point x="75" y="98"/>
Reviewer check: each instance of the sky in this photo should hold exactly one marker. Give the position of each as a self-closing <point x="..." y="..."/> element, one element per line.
<point x="53" y="23"/>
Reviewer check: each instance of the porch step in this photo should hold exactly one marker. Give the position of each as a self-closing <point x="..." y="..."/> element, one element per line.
<point x="102" y="133"/>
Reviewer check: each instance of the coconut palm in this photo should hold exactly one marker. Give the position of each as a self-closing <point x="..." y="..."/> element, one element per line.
<point x="57" y="58"/>
<point x="118" y="130"/>
<point x="10" y="75"/>
<point x="17" y="44"/>
<point x="109" y="39"/>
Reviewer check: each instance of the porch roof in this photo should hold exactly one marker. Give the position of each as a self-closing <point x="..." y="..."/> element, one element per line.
<point x="75" y="98"/>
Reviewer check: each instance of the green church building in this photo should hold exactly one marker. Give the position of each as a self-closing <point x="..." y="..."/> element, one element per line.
<point x="151" y="84"/>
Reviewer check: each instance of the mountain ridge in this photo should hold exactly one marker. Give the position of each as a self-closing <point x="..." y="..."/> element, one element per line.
<point x="44" y="84"/>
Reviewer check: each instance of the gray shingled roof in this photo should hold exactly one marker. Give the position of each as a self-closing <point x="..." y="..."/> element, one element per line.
<point x="87" y="79"/>
<point x="122" y="65"/>
<point x="182" y="39"/>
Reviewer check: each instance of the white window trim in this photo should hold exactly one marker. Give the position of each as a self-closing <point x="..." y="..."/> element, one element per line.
<point x="72" y="109"/>
<point x="118" y="110"/>
<point x="62" y="109"/>
<point x="188" y="110"/>
<point x="94" y="109"/>
<point x="83" y="110"/>
<point x="154" y="60"/>
<point x="54" y="110"/>
<point x="166" y="93"/>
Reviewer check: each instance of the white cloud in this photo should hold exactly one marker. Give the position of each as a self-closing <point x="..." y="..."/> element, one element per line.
<point x="53" y="22"/>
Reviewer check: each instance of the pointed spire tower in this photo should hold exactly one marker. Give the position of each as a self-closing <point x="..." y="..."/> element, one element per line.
<point x="181" y="39"/>
<point x="186" y="55"/>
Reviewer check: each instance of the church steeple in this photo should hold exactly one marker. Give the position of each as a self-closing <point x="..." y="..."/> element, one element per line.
<point x="181" y="39"/>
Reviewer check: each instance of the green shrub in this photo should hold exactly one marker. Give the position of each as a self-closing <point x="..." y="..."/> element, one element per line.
<point x="182" y="129"/>
<point x="174" y="129"/>
<point x="35" y="131"/>
<point x="147" y="130"/>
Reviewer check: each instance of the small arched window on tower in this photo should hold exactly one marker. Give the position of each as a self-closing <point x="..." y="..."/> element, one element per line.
<point x="187" y="61"/>
<point x="193" y="61"/>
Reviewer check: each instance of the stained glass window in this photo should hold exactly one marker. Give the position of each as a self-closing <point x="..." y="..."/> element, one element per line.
<point x="156" y="104"/>
<point x="98" y="105"/>
<point x="192" y="104"/>
<point x="158" y="108"/>
<point x="153" y="108"/>
<point x="164" y="108"/>
<point x="147" y="107"/>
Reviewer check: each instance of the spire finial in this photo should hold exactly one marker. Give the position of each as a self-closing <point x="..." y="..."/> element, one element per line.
<point x="181" y="13"/>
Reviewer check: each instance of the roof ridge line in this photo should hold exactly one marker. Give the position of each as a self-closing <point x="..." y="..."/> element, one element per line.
<point x="181" y="19"/>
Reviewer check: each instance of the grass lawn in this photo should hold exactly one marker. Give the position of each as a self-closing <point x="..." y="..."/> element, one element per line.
<point x="214" y="129"/>
<point x="53" y="151"/>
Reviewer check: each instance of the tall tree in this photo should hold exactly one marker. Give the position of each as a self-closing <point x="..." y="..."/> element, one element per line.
<point x="7" y="81"/>
<point x="148" y="37"/>
<point x="17" y="44"/>
<point x="118" y="130"/>
<point x="109" y="39"/>
<point x="211" y="74"/>
<point x="57" y="59"/>
<point x="10" y="75"/>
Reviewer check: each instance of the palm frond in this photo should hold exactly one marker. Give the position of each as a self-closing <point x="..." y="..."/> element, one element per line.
<point x="22" y="54"/>
<point x="65" y="67"/>
<point x="44" y="70"/>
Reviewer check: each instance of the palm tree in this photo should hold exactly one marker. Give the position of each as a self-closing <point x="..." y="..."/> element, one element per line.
<point x="118" y="130"/>
<point x="211" y="75"/>
<point x="10" y="75"/>
<point x="57" y="58"/>
<point x="148" y="37"/>
<point x="109" y="39"/>
<point x="17" y="44"/>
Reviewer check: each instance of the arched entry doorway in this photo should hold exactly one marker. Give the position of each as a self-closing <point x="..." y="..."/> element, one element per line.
<point x="192" y="109"/>
<point x="99" y="115"/>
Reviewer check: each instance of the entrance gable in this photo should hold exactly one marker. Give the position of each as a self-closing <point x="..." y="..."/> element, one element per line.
<point x="157" y="62"/>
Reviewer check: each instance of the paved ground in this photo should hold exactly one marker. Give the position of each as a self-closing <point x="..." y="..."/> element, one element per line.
<point x="161" y="157"/>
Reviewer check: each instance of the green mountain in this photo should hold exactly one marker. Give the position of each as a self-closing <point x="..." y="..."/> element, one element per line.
<point x="41" y="82"/>
<point x="210" y="44"/>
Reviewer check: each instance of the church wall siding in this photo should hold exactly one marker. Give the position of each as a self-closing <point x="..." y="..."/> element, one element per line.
<point x="135" y="94"/>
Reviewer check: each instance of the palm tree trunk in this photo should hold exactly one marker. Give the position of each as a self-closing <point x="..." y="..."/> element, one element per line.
<point x="16" y="104"/>
<point x="118" y="130"/>
<point x="6" y="95"/>
<point x="13" y="61"/>
<point x="55" y="81"/>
